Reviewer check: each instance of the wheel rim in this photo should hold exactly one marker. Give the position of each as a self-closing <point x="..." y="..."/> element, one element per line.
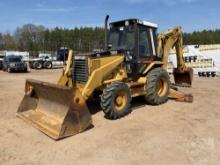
<point x="120" y="100"/>
<point x="162" y="87"/>
<point x="49" y="65"/>
<point x="38" y="65"/>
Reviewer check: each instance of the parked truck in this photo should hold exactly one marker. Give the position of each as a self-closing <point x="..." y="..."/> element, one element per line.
<point x="46" y="61"/>
<point x="13" y="63"/>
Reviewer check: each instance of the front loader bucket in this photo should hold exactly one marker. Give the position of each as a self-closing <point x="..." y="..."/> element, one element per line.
<point x="57" y="111"/>
<point x="183" y="78"/>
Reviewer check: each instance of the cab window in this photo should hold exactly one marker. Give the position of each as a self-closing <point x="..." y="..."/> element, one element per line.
<point x="144" y="42"/>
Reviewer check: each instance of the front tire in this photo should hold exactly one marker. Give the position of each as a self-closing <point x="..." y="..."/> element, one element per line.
<point x="158" y="86"/>
<point x="115" y="100"/>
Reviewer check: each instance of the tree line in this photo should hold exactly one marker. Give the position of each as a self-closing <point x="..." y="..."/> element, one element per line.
<point x="202" y="37"/>
<point x="35" y="38"/>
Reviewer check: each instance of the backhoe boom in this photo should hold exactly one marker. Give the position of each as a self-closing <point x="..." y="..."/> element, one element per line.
<point x="166" y="41"/>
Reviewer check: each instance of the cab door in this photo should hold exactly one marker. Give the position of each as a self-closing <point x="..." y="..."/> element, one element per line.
<point x="147" y="42"/>
<point x="146" y="47"/>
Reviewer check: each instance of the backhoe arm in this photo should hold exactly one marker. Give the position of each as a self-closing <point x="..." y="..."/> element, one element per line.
<point x="168" y="40"/>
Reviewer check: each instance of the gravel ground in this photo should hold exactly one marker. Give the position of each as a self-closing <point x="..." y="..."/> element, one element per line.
<point x="172" y="133"/>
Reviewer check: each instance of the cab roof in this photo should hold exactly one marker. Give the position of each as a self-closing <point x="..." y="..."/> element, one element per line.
<point x="133" y="21"/>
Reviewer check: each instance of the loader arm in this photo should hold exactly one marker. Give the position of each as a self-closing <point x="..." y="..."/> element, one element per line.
<point x="65" y="79"/>
<point x="166" y="41"/>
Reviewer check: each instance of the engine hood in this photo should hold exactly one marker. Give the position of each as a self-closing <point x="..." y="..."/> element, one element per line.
<point x="101" y="53"/>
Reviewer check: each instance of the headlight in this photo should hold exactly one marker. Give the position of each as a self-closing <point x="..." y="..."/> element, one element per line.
<point x="12" y="65"/>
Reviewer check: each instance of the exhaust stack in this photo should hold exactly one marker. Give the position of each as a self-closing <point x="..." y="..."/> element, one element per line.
<point x="106" y="32"/>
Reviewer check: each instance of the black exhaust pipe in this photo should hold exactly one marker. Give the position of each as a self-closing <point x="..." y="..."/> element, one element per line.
<point x="106" y="32"/>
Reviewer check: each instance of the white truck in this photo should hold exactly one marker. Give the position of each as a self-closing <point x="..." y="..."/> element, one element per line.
<point x="46" y="61"/>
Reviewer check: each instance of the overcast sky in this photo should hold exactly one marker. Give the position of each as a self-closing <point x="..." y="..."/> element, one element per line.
<point x="190" y="14"/>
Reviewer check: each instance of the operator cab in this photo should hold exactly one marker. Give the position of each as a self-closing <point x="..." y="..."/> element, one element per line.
<point x="138" y="41"/>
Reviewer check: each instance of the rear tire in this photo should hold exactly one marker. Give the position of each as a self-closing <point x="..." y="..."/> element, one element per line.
<point x="37" y="65"/>
<point x="48" y="65"/>
<point x="158" y="86"/>
<point x="115" y="100"/>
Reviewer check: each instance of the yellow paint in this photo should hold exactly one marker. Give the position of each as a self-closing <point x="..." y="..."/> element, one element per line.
<point x="151" y="65"/>
<point x="107" y="66"/>
<point x="65" y="79"/>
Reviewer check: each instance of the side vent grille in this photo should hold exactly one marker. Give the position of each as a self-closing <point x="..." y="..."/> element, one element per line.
<point x="80" y="71"/>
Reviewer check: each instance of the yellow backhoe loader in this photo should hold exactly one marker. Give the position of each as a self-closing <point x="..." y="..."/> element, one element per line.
<point x="133" y="64"/>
